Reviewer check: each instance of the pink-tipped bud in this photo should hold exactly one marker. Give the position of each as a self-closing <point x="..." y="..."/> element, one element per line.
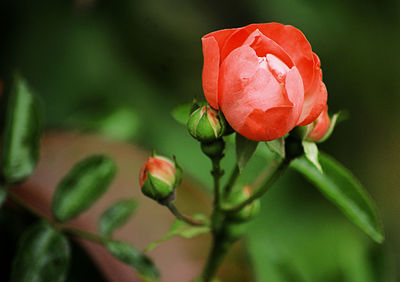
<point x="319" y="128"/>
<point x="159" y="177"/>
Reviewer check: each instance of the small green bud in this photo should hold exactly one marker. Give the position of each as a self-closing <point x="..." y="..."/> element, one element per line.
<point x="247" y="212"/>
<point x="206" y="125"/>
<point x="159" y="177"/>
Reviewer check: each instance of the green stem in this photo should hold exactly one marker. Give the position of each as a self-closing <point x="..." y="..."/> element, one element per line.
<point x="280" y="168"/>
<point x="218" y="252"/>
<point x="69" y="230"/>
<point x="24" y="206"/>
<point x="183" y="217"/>
<point x="83" y="234"/>
<point x="232" y="179"/>
<point x="217" y="174"/>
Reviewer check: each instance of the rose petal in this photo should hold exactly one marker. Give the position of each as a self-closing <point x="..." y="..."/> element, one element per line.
<point x="288" y="37"/>
<point x="254" y="103"/>
<point x="212" y="44"/>
<point x="263" y="46"/>
<point x="315" y="98"/>
<point x="277" y="67"/>
<point x="295" y="93"/>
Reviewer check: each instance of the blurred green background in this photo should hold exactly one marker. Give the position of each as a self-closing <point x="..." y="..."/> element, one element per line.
<point x="120" y="67"/>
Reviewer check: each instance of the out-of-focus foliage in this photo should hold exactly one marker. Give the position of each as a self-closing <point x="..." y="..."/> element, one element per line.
<point x="37" y="260"/>
<point x="116" y="215"/>
<point x="83" y="185"/>
<point x="120" y="67"/>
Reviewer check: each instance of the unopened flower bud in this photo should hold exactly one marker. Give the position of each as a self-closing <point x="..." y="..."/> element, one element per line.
<point x="318" y="130"/>
<point x="205" y="124"/>
<point x="159" y="177"/>
<point x="247" y="212"/>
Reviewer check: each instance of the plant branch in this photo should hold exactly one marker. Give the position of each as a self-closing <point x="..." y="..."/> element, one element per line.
<point x="68" y="230"/>
<point x="232" y="179"/>
<point x="83" y="234"/>
<point x="217" y="174"/>
<point x="183" y="217"/>
<point x="23" y="205"/>
<point x="276" y="173"/>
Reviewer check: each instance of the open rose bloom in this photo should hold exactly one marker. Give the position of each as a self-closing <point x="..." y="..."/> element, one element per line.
<point x="264" y="78"/>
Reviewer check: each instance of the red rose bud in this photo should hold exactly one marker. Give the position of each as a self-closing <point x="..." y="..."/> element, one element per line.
<point x="159" y="177"/>
<point x="247" y="212"/>
<point x="318" y="130"/>
<point x="206" y="125"/>
<point x="265" y="79"/>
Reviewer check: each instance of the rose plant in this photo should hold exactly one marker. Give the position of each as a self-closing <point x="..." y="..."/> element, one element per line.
<point x="263" y="87"/>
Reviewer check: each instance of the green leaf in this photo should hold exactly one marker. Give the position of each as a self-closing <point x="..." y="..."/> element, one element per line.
<point x="277" y="146"/>
<point x="183" y="229"/>
<point x="21" y="133"/>
<point x="82" y="186"/>
<point x="311" y="153"/>
<point x="245" y="149"/>
<point x="116" y="216"/>
<point x="131" y="256"/>
<point x="3" y="195"/>
<point x="344" y="190"/>
<point x="43" y="255"/>
<point x="181" y="113"/>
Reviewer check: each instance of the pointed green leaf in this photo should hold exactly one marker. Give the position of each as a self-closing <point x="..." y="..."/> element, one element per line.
<point x="277" y="146"/>
<point x="245" y="149"/>
<point x="134" y="258"/>
<point x="82" y="186"/>
<point x="21" y="133"/>
<point x="344" y="190"/>
<point x="181" y="113"/>
<point x="116" y="216"/>
<point x="43" y="255"/>
<point x="181" y="228"/>
<point x="311" y="153"/>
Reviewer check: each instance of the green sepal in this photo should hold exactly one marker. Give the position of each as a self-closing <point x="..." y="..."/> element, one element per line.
<point x="277" y="146"/>
<point x="311" y="153"/>
<point x="328" y="133"/>
<point x="204" y="130"/>
<point x="43" y="255"/>
<point x="155" y="188"/>
<point x="245" y="149"/>
<point x="178" y="172"/>
<point x="116" y="216"/>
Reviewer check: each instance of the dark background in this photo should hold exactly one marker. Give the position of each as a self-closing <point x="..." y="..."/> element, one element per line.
<point x="119" y="67"/>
